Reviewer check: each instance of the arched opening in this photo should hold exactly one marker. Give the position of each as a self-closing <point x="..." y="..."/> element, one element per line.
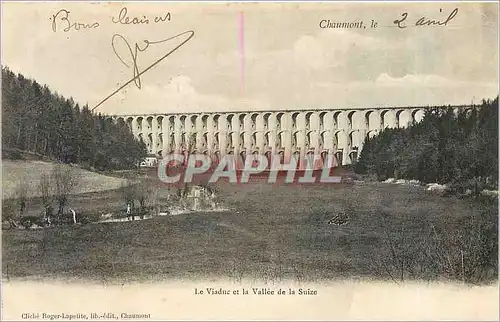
<point x="282" y="157"/>
<point x="308" y="120"/>
<point x="241" y="119"/>
<point x="255" y="161"/>
<point x="139" y="124"/>
<point x="229" y="142"/>
<point x="367" y="119"/>
<point x="149" y="123"/>
<point x="322" y="116"/>
<point x="279" y="140"/>
<point x="230" y="122"/>
<point x="324" y="158"/>
<point x="336" y="119"/>
<point x="350" y="119"/>
<point x="193" y="120"/>
<point x="309" y="140"/>
<point x="242" y="140"/>
<point x="279" y="121"/>
<point x="216" y="122"/>
<point x="253" y="121"/>
<point x="295" y="139"/>
<point x="353" y="156"/>
<point x="294" y="120"/>
<point x="171" y="123"/>
<point x="204" y="122"/>
<point x="243" y="157"/>
<point x="268" y="156"/>
<point x="338" y="157"/>
<point x="182" y="122"/>
<point x="266" y="120"/>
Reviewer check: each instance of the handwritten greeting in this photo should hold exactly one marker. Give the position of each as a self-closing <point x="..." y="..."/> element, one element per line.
<point x="61" y="20"/>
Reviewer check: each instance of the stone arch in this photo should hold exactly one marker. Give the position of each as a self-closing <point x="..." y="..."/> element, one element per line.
<point x="171" y="123"/>
<point x="295" y="139"/>
<point x="241" y="121"/>
<point x="417" y="115"/>
<point x="339" y="157"/>
<point x="279" y="140"/>
<point x="149" y="123"/>
<point x="216" y="157"/>
<point x="294" y="117"/>
<point x="310" y="139"/>
<point x="281" y="155"/>
<point x="403" y="118"/>
<point x="230" y="120"/>
<point x="267" y="139"/>
<point x="182" y="122"/>
<point x="216" y="142"/>
<point x="254" y="140"/>
<point x="130" y="122"/>
<point x="230" y="140"/>
<point x="160" y="140"/>
<point x="216" y="120"/>
<point x="204" y="122"/>
<point x="139" y="123"/>
<point x="120" y="121"/>
<point x="387" y="119"/>
<point x="265" y="119"/>
<point x="243" y="156"/>
<point x="351" y="119"/>
<point x="242" y="140"/>
<point x="204" y="140"/>
<point x="321" y="118"/>
<point x="159" y="122"/>
<point x="323" y="138"/>
<point x="353" y="156"/>
<point x="368" y="122"/>
<point x="340" y="139"/>
<point x="337" y="119"/>
<point x="268" y="155"/>
<point x="280" y="119"/>
<point x="194" y="122"/>
<point x="253" y="121"/>
<point x="308" y="117"/>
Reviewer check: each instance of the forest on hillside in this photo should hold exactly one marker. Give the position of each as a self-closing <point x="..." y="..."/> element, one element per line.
<point x="38" y="120"/>
<point x="459" y="149"/>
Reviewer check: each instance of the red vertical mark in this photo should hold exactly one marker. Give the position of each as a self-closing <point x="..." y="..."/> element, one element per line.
<point x="242" y="50"/>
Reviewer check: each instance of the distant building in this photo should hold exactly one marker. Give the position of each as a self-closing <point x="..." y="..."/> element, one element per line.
<point x="149" y="162"/>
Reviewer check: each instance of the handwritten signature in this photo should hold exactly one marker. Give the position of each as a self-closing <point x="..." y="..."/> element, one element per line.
<point x="401" y="23"/>
<point x="133" y="53"/>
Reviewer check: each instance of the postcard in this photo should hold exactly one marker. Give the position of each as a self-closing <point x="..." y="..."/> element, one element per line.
<point x="249" y="161"/>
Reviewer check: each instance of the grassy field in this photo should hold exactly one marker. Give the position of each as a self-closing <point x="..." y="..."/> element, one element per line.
<point x="31" y="171"/>
<point x="272" y="233"/>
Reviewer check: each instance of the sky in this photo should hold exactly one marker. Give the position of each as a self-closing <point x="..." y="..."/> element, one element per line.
<point x="256" y="56"/>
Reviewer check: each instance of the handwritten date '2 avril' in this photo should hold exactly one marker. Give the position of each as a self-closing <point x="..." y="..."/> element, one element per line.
<point x="401" y="23"/>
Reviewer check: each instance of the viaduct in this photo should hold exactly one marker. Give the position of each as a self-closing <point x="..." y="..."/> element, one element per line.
<point x="340" y="132"/>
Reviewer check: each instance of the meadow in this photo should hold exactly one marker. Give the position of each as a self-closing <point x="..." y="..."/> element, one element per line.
<point x="271" y="233"/>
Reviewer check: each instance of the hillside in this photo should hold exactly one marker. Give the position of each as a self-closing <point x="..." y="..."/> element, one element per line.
<point x="31" y="171"/>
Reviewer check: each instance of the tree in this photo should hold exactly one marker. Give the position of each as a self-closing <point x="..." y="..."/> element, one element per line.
<point x="65" y="182"/>
<point x="129" y="194"/>
<point x="46" y="191"/>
